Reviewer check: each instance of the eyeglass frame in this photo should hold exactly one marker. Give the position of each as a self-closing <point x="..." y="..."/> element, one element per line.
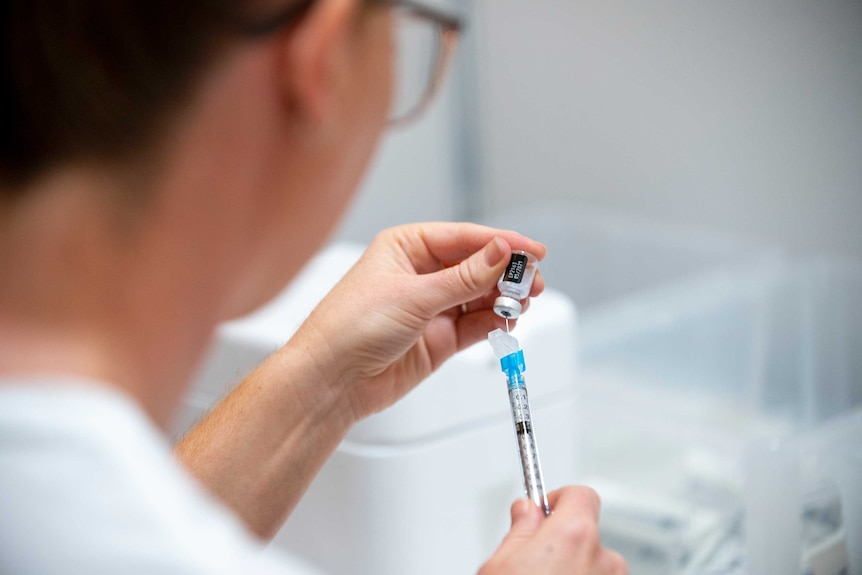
<point x="450" y="26"/>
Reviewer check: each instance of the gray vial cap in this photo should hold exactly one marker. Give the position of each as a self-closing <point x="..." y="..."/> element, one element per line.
<point x="507" y="307"/>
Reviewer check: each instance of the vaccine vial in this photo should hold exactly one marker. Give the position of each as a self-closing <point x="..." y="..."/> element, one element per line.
<point x="515" y="284"/>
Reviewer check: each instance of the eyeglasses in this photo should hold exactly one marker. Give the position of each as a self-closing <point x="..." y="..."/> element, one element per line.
<point x="426" y="40"/>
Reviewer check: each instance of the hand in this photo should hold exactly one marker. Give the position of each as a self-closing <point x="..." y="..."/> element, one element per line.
<point x="567" y="541"/>
<point x="397" y="315"/>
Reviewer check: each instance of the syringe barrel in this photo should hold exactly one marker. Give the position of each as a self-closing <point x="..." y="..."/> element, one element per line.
<point x="534" y="485"/>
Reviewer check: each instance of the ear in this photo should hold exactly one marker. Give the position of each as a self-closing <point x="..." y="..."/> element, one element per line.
<point x="316" y="59"/>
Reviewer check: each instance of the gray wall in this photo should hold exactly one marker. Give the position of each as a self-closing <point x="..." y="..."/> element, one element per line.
<point x="736" y="115"/>
<point x="418" y="172"/>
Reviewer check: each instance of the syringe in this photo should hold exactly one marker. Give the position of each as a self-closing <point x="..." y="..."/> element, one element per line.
<point x="511" y="358"/>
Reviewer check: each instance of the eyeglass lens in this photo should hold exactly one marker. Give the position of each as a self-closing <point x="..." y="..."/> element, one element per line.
<point x="418" y="53"/>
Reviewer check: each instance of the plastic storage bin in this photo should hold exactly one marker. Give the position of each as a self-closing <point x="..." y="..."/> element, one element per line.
<point x="734" y="399"/>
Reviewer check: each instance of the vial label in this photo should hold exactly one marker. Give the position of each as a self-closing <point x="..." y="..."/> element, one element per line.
<point x="515" y="270"/>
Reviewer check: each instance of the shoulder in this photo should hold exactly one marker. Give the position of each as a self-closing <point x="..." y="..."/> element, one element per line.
<point x="89" y="486"/>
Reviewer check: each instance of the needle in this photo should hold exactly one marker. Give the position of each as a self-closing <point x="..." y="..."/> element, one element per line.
<point x="507" y="325"/>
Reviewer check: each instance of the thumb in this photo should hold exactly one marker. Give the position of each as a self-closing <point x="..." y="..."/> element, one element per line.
<point x="526" y="519"/>
<point x="471" y="278"/>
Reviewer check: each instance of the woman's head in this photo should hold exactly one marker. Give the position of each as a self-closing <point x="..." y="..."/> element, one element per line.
<point x="98" y="80"/>
<point x="278" y="122"/>
<point x="162" y="167"/>
<point x="253" y="120"/>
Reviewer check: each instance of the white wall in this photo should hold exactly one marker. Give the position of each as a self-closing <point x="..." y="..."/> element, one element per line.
<point x="738" y="115"/>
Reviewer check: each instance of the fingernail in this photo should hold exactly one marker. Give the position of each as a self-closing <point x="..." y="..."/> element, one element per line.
<point x="495" y="252"/>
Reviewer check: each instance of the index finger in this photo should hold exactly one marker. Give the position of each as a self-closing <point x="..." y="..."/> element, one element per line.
<point x="437" y="244"/>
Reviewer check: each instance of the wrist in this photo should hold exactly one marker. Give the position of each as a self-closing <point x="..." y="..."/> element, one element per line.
<point x="318" y="377"/>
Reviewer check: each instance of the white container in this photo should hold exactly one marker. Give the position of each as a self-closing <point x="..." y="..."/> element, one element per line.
<point x="425" y="486"/>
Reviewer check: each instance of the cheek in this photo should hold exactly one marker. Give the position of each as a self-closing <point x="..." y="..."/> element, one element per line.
<point x="298" y="224"/>
<point x="281" y="253"/>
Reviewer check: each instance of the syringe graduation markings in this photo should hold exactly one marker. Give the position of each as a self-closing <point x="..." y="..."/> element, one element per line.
<point x="511" y="358"/>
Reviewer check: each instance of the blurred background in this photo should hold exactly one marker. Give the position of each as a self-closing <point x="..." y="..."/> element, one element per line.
<point x="737" y="116"/>
<point x="695" y="169"/>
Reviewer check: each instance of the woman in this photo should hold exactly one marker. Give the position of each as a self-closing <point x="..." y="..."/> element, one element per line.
<point x="165" y="166"/>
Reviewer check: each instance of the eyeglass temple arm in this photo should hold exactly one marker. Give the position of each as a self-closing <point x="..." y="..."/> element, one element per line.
<point x="265" y="27"/>
<point x="447" y="21"/>
<point x="449" y="41"/>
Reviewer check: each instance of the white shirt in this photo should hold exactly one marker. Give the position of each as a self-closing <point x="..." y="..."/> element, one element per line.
<point x="88" y="485"/>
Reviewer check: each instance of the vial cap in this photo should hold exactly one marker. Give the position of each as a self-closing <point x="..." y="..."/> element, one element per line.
<point x="507" y="307"/>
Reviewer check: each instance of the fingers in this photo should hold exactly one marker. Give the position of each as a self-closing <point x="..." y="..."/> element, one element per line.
<point x="432" y="246"/>
<point x="475" y="318"/>
<point x="470" y="279"/>
<point x="453" y="242"/>
<point x="486" y="301"/>
<point x="612" y="563"/>
<point x="575" y="501"/>
<point x="474" y="279"/>
<point x="461" y="262"/>
<point x="567" y="542"/>
<point x="526" y="519"/>
<point x="475" y="326"/>
<point x="575" y="523"/>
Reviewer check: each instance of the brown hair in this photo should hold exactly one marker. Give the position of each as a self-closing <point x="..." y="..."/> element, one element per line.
<point x="96" y="79"/>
